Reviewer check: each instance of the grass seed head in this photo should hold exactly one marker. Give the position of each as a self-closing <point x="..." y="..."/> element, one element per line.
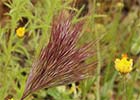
<point x="60" y="62"/>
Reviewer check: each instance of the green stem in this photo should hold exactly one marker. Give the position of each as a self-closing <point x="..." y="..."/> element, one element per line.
<point x="98" y="69"/>
<point x="98" y="54"/>
<point x="93" y="11"/>
<point x="124" y="88"/>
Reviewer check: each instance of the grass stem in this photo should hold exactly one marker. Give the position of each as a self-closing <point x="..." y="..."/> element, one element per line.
<point x="124" y="88"/>
<point x="98" y="54"/>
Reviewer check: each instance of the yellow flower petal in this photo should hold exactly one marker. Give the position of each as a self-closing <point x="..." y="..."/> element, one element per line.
<point x="20" y="31"/>
<point x="124" y="65"/>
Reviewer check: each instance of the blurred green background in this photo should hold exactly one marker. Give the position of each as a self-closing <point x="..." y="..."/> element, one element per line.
<point x="116" y="23"/>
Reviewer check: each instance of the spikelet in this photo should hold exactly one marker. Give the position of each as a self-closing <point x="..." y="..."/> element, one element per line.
<point x="61" y="62"/>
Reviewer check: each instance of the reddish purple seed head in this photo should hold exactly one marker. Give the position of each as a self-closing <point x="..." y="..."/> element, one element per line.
<point x="60" y="62"/>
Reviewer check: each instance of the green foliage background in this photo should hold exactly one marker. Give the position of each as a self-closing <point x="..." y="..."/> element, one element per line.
<point x="117" y="37"/>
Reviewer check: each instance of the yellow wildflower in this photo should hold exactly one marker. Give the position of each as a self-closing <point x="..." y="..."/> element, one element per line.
<point x="20" y="31"/>
<point x="74" y="90"/>
<point x="120" y="5"/>
<point x="124" y="65"/>
<point x="98" y="4"/>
